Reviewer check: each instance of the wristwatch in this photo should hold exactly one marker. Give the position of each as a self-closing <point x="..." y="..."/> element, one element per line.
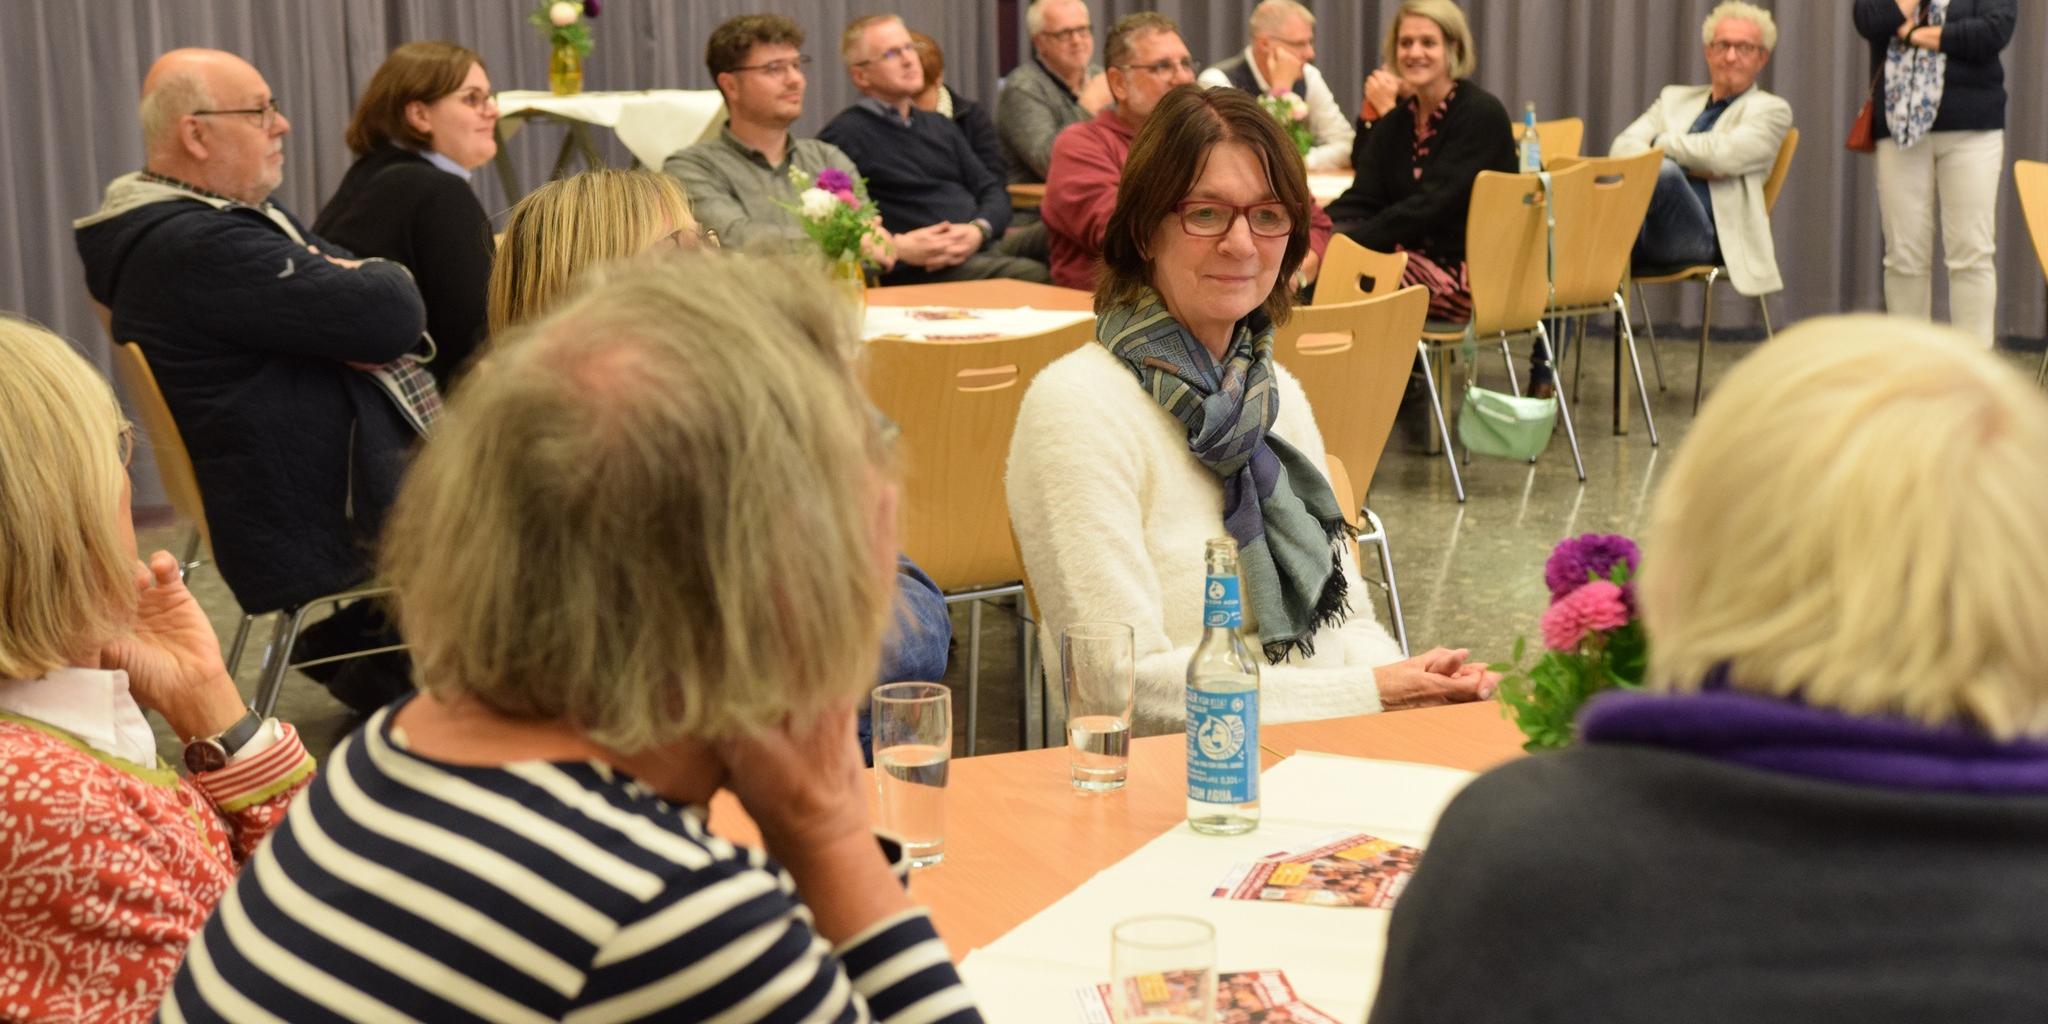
<point x="211" y="753"/>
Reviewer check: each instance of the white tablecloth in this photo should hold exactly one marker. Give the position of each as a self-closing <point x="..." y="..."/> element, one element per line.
<point x="652" y="123"/>
<point x="1331" y="954"/>
<point x="953" y="323"/>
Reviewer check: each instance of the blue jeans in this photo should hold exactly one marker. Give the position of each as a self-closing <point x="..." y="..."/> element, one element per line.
<point x="1679" y="228"/>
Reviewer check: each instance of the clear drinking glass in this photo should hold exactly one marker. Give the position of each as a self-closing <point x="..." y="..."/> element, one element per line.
<point x="1100" y="676"/>
<point x="913" y="737"/>
<point x="1162" y="970"/>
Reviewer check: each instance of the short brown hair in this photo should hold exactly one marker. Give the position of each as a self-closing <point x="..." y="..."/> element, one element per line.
<point x="1118" y="48"/>
<point x="734" y="38"/>
<point x="929" y="56"/>
<point x="423" y="71"/>
<point x="1166" y="159"/>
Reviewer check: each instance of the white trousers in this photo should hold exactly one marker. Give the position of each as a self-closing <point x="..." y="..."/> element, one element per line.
<point x="1961" y="170"/>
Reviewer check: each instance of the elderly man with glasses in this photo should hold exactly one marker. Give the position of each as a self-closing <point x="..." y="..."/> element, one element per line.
<point x="288" y="366"/>
<point x="1060" y="85"/>
<point x="1147" y="58"/>
<point x="945" y="210"/>
<point x="1719" y="142"/>
<point x="1279" y="61"/>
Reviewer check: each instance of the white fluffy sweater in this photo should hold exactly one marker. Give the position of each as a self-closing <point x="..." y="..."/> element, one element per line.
<point x="1111" y="512"/>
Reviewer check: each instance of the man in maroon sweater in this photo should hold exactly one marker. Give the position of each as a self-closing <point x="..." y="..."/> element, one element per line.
<point x="1145" y="58"/>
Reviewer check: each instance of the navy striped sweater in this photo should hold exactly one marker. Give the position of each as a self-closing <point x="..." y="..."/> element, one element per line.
<point x="405" y="889"/>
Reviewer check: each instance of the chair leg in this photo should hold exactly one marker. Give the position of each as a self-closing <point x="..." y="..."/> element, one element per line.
<point x="1031" y="731"/>
<point x="190" y="559"/>
<point x="1699" y="380"/>
<point x="1628" y="333"/>
<point x="1443" y="430"/>
<point x="973" y="672"/>
<point x="235" y="651"/>
<point x="1650" y="332"/>
<point x="1578" y="352"/>
<point x="1507" y="359"/>
<point x="277" y="660"/>
<point x="1378" y="539"/>
<point x="1564" y="407"/>
<point x="1763" y="302"/>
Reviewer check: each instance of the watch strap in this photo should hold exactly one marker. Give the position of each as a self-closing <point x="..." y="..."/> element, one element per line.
<point x="238" y="735"/>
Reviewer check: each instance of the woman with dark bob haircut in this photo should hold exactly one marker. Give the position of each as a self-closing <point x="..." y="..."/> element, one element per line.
<point x="1177" y="427"/>
<point x="426" y="121"/>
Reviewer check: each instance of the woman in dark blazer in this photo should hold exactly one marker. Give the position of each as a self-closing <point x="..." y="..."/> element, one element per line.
<point x="426" y="121"/>
<point x="1940" y="124"/>
<point x="1416" y="165"/>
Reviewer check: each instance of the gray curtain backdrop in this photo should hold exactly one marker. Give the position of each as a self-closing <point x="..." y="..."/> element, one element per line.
<point x="72" y="69"/>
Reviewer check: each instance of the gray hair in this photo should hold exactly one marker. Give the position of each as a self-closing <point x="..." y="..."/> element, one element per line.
<point x="1747" y="12"/>
<point x="652" y="514"/>
<point x="1270" y="15"/>
<point x="177" y="94"/>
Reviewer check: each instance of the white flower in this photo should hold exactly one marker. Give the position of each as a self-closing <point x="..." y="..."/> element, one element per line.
<point x="819" y="204"/>
<point x="564" y="13"/>
<point x="1297" y="107"/>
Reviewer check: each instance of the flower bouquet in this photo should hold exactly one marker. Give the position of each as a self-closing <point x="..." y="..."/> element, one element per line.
<point x="568" y="35"/>
<point x="1292" y="113"/>
<point x="835" y="211"/>
<point x="1591" y="636"/>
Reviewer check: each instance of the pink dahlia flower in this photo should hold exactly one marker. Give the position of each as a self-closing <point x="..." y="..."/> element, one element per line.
<point x="1595" y="607"/>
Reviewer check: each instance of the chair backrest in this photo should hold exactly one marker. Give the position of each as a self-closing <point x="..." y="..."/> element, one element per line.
<point x="1593" y="249"/>
<point x="173" y="462"/>
<point x="1507" y="258"/>
<point x="1562" y="137"/>
<point x="1352" y="272"/>
<point x="2030" y="180"/>
<point x="1353" y="362"/>
<point x="956" y="403"/>
<point x="1779" y="169"/>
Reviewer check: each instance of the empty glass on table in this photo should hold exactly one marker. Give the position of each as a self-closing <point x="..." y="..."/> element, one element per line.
<point x="913" y="746"/>
<point x="1100" y="680"/>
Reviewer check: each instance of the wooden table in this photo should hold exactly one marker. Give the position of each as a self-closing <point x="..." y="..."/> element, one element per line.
<point x="1019" y="836"/>
<point x="1026" y="196"/>
<point x="999" y="293"/>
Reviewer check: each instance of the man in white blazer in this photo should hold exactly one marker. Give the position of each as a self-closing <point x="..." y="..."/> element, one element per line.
<point x="1719" y="142"/>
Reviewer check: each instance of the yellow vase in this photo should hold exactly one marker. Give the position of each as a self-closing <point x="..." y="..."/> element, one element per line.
<point x="565" y="71"/>
<point x="851" y="279"/>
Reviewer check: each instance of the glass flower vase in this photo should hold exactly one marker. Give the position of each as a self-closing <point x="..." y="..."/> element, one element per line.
<point x="565" y="70"/>
<point x="852" y="280"/>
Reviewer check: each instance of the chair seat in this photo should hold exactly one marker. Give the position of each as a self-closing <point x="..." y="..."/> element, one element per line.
<point x="1443" y="329"/>
<point x="1672" y="272"/>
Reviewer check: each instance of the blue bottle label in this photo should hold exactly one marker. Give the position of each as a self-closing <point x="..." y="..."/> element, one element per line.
<point x="1219" y="603"/>
<point x="1223" y="746"/>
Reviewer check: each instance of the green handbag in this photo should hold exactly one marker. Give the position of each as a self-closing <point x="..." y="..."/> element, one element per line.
<point x="1506" y="426"/>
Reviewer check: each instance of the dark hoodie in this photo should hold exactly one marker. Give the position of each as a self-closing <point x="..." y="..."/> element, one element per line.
<point x="250" y="334"/>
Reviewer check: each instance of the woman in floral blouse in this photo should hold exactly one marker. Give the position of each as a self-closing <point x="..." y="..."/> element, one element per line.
<point x="109" y="859"/>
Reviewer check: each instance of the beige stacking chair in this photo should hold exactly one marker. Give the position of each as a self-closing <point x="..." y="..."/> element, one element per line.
<point x="1507" y="263"/>
<point x="956" y="403"/>
<point x="1560" y="138"/>
<point x="2030" y="180"/>
<point x="1353" y="361"/>
<point x="1352" y="272"/>
<point x="1708" y="273"/>
<point x="181" y="484"/>
<point x="1593" y="254"/>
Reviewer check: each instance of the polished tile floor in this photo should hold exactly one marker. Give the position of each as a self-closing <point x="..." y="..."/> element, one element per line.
<point x="1471" y="575"/>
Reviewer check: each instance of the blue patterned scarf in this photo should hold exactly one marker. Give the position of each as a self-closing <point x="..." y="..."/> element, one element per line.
<point x="1912" y="82"/>
<point x="1277" y="505"/>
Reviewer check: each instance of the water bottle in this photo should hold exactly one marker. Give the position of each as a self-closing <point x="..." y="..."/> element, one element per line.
<point x="1531" y="144"/>
<point x="1223" y="706"/>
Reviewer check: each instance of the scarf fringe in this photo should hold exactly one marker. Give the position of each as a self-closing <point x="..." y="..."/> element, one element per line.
<point x="1333" y="605"/>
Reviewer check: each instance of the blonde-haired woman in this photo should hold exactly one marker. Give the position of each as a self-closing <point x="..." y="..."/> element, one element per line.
<point x="572" y="223"/>
<point x="112" y="859"/>
<point x="1417" y="159"/>
<point x="1833" y="802"/>
<point x="617" y="610"/>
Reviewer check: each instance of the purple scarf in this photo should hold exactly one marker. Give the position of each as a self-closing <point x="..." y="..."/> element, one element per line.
<point x="1788" y="736"/>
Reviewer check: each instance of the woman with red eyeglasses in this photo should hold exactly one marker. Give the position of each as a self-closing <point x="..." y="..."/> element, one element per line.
<point x="1177" y="426"/>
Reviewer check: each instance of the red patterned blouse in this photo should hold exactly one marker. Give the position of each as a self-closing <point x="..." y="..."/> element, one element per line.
<point x="108" y="868"/>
